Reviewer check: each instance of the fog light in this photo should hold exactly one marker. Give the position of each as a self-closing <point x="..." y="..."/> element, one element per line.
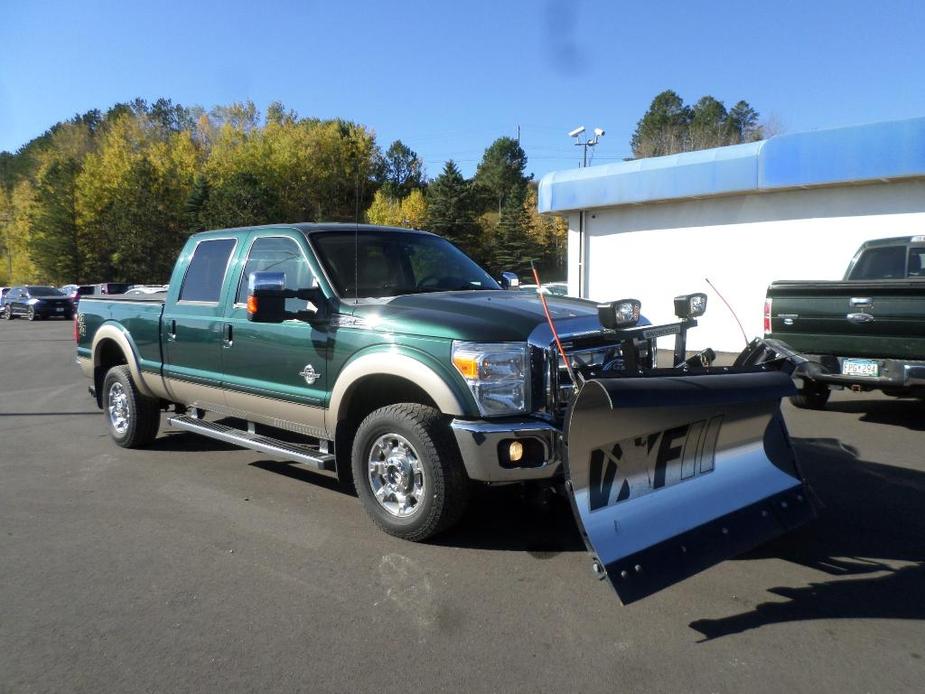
<point x="515" y="451"/>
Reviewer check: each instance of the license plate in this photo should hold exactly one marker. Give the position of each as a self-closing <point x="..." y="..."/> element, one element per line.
<point x="860" y="367"/>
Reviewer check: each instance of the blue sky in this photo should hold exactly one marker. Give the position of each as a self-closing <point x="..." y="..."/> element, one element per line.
<point x="449" y="77"/>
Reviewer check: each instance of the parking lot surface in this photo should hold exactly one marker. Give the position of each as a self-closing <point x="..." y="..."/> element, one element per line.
<point x="195" y="566"/>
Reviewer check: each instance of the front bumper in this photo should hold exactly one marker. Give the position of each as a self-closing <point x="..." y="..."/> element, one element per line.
<point x="896" y="374"/>
<point x="480" y="441"/>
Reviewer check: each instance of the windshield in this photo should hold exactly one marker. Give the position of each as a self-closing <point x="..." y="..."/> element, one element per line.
<point x="44" y="291"/>
<point x="390" y="263"/>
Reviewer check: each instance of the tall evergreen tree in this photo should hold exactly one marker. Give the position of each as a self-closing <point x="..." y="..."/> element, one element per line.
<point x="54" y="247"/>
<point x="452" y="209"/>
<point x="501" y="172"/>
<point x="513" y="248"/>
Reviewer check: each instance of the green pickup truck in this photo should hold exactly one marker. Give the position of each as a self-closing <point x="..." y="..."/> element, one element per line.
<point x="865" y="332"/>
<point x="390" y="358"/>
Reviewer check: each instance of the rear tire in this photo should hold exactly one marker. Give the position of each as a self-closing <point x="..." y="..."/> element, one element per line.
<point x="408" y="472"/>
<point x="30" y="313"/>
<point x="812" y="396"/>
<point x="7" y="313"/>
<point x="131" y="418"/>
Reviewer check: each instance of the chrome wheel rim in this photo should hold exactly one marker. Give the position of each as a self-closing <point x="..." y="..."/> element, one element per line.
<point x="396" y="475"/>
<point x="31" y="314"/>
<point x="119" y="414"/>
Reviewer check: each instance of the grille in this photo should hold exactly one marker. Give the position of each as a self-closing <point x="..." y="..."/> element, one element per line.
<point x="558" y="387"/>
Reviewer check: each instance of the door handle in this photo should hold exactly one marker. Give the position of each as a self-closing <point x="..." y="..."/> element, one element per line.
<point x="860" y="301"/>
<point x="227" y="335"/>
<point x="172" y="333"/>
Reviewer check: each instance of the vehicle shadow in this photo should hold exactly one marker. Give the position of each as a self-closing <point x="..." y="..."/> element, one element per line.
<point x="508" y="518"/>
<point x="188" y="442"/>
<point x="294" y="471"/>
<point x="894" y="412"/>
<point x="870" y="537"/>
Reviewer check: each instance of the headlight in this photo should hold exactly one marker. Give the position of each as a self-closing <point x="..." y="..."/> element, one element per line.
<point x="496" y="373"/>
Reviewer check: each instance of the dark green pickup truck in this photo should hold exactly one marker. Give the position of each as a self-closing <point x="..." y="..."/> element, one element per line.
<point x="866" y="332"/>
<point x="392" y="359"/>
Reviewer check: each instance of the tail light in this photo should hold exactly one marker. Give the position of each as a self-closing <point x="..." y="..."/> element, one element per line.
<point x="76" y="330"/>
<point x="767" y="316"/>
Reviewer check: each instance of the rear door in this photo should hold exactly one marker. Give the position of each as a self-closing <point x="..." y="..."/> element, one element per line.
<point x="276" y="373"/>
<point x="193" y="319"/>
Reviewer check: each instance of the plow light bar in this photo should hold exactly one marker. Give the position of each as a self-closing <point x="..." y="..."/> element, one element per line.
<point x="619" y="314"/>
<point x="690" y="305"/>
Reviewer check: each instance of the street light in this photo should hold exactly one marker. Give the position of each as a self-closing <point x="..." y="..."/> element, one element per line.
<point x="584" y="144"/>
<point x="587" y="142"/>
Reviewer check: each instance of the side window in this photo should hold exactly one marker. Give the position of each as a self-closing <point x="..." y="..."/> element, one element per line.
<point x="206" y="271"/>
<point x="917" y="262"/>
<point x="884" y="263"/>
<point x="277" y="254"/>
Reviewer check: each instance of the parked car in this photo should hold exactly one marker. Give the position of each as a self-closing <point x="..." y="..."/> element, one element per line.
<point x="866" y="332"/>
<point x="3" y="292"/>
<point x="112" y="288"/>
<point x="392" y="359"/>
<point x="37" y="302"/>
<point x="553" y="288"/>
<point x="146" y="289"/>
<point x="75" y="291"/>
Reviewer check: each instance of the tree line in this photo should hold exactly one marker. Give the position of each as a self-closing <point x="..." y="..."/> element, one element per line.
<point x="113" y="195"/>
<point x="670" y="126"/>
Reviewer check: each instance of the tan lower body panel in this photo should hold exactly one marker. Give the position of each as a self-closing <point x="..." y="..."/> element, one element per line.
<point x="300" y="419"/>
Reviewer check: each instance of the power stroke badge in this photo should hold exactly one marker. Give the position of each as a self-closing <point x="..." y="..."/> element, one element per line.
<point x="634" y="467"/>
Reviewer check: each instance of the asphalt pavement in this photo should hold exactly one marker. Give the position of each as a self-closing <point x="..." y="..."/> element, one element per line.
<point x="195" y="566"/>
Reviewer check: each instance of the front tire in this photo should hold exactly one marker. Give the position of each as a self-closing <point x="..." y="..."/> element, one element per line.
<point x="8" y="312"/>
<point x="812" y="396"/>
<point x="30" y="313"/>
<point x="408" y="472"/>
<point x="131" y="418"/>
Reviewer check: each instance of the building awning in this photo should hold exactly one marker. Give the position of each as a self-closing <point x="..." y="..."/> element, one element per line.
<point x="857" y="154"/>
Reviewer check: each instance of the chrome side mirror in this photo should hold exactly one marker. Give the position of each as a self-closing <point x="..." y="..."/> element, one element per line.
<point x="509" y="280"/>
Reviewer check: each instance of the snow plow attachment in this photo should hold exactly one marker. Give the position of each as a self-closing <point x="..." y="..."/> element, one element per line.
<point x="673" y="473"/>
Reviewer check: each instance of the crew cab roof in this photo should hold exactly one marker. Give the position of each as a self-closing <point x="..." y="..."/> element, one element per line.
<point x="309" y="228"/>
<point x="893" y="241"/>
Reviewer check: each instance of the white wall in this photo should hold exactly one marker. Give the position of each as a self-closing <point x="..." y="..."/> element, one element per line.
<point x="741" y="243"/>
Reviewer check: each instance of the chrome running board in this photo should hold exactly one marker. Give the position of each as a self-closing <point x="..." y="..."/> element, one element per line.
<point x="276" y="449"/>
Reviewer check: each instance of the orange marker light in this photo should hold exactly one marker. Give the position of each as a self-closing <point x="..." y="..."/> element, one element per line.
<point x="467" y="365"/>
<point x="252" y="304"/>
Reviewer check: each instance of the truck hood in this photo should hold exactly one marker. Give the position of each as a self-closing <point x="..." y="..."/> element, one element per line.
<point x="489" y="315"/>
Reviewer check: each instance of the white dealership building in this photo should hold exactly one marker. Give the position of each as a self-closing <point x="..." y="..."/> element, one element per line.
<point x="794" y="206"/>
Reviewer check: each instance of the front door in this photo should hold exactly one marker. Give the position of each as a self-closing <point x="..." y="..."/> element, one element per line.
<point x="192" y="325"/>
<point x="276" y="374"/>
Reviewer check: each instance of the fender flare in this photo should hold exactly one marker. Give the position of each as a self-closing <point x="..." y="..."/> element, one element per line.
<point x="119" y="335"/>
<point x="393" y="363"/>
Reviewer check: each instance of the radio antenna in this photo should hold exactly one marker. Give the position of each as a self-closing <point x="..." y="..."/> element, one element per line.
<point x="356" y="238"/>
<point x="552" y="326"/>
<point x="723" y="299"/>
